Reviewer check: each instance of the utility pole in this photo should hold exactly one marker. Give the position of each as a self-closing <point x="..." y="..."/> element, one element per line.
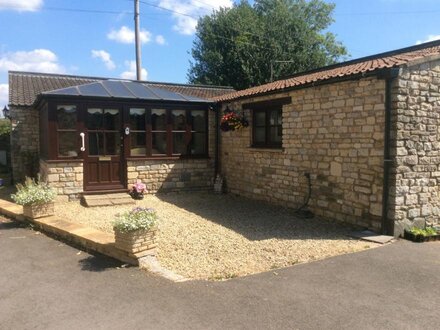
<point x="137" y="40"/>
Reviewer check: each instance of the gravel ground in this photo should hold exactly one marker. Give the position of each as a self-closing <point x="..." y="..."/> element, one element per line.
<point x="208" y="236"/>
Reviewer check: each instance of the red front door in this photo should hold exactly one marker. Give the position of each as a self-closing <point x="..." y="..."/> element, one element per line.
<point x="104" y="167"/>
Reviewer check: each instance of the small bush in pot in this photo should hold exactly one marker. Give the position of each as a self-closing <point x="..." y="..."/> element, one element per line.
<point x="36" y="197"/>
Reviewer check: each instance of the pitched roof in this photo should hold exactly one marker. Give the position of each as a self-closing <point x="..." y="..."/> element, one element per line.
<point x="24" y="87"/>
<point x="359" y="66"/>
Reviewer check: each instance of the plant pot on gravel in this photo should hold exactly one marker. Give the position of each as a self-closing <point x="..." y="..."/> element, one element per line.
<point x="135" y="232"/>
<point x="36" y="197"/>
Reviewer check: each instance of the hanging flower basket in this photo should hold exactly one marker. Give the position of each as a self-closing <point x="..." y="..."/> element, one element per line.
<point x="232" y="121"/>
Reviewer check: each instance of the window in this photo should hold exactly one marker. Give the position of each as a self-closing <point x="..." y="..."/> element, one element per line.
<point x="66" y="132"/>
<point x="167" y="132"/>
<point x="267" y="127"/>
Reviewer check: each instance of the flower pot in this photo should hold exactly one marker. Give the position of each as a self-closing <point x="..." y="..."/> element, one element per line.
<point x="137" y="243"/>
<point x="38" y="210"/>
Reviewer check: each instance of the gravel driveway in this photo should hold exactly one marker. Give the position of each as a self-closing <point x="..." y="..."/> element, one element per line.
<point x="209" y="236"/>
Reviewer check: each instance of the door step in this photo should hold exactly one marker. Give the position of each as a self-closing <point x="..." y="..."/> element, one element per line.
<point x="107" y="199"/>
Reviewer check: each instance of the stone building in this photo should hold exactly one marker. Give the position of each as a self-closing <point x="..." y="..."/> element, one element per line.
<point x="363" y="137"/>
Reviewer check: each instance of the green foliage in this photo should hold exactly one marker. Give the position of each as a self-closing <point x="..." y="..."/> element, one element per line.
<point x="138" y="218"/>
<point x="428" y="231"/>
<point x="236" y="46"/>
<point x="33" y="192"/>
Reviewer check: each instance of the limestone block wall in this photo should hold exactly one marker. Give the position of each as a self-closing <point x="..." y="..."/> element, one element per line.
<point x="65" y="177"/>
<point x="416" y="194"/>
<point x="335" y="132"/>
<point x="24" y="141"/>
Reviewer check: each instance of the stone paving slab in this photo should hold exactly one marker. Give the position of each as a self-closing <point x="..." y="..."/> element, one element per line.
<point x="107" y="199"/>
<point x="368" y="235"/>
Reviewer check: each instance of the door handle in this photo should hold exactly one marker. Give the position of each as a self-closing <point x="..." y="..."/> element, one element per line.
<point x="83" y="146"/>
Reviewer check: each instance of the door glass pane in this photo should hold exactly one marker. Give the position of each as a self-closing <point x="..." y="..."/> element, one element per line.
<point x="112" y="143"/>
<point x="260" y="134"/>
<point x="67" y="146"/>
<point x="198" y="119"/>
<point x="158" y="119"/>
<point x="275" y="134"/>
<point x="198" y="144"/>
<point x="159" y="143"/>
<point x="179" y="144"/>
<point x="179" y="120"/>
<point x="137" y="119"/>
<point x="96" y="143"/>
<point x="66" y="115"/>
<point x="137" y="144"/>
<point x="94" y="118"/>
<point x="260" y="118"/>
<point x="111" y="119"/>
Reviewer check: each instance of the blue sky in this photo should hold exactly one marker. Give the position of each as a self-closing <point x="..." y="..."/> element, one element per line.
<point x="95" y="37"/>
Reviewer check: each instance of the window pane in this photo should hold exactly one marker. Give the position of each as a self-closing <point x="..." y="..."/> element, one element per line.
<point x="260" y="134"/>
<point x="158" y="119"/>
<point x="179" y="144"/>
<point x="198" y="144"/>
<point x="260" y="118"/>
<point x="96" y="144"/>
<point x="137" y="119"/>
<point x="275" y="117"/>
<point x="137" y="144"/>
<point x="67" y="144"/>
<point x="94" y="118"/>
<point x="179" y="120"/>
<point x="275" y="134"/>
<point x="66" y="115"/>
<point x="111" y="119"/>
<point x="112" y="143"/>
<point x="159" y="143"/>
<point x="198" y="119"/>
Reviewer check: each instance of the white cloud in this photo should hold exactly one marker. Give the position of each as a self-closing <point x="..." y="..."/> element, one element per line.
<point x="125" y="35"/>
<point x="192" y="8"/>
<point x="131" y="71"/>
<point x="21" y="5"/>
<point x="37" y="60"/>
<point x="104" y="57"/>
<point x="4" y="92"/>
<point x="160" y="40"/>
<point x="430" y="37"/>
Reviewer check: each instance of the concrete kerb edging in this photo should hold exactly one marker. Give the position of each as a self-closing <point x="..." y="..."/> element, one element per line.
<point x="87" y="238"/>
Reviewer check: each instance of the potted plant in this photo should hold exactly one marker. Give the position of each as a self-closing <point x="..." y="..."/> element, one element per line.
<point x="138" y="190"/>
<point x="36" y="197"/>
<point x="232" y="121"/>
<point x="135" y="231"/>
<point x="421" y="235"/>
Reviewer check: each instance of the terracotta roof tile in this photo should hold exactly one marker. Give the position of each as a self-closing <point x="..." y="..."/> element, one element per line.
<point x="25" y="86"/>
<point x="363" y="65"/>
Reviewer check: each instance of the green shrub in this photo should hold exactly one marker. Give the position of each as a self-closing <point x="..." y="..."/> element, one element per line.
<point x="428" y="231"/>
<point x="138" y="218"/>
<point x="33" y="192"/>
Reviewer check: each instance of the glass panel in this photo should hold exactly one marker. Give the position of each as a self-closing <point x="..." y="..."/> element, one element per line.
<point x="198" y="119"/>
<point x="275" y="134"/>
<point x="137" y="119"/>
<point x="260" y="134"/>
<point x="66" y="115"/>
<point x="94" y="118"/>
<point x="158" y="119"/>
<point x="275" y="117"/>
<point x="111" y="119"/>
<point x="198" y="144"/>
<point x="260" y="118"/>
<point x="112" y="143"/>
<point x="179" y="120"/>
<point x="179" y="144"/>
<point x="137" y="144"/>
<point x="96" y="144"/>
<point x="159" y="143"/>
<point x="67" y="144"/>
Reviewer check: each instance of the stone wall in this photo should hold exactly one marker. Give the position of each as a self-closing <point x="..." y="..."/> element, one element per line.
<point x="416" y="194"/>
<point x="24" y="142"/>
<point x="335" y="132"/>
<point x="65" y="177"/>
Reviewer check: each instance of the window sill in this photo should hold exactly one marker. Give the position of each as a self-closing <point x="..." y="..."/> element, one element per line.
<point x="168" y="158"/>
<point x="266" y="149"/>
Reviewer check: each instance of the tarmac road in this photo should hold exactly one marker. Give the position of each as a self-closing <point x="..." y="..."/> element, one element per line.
<point x="45" y="284"/>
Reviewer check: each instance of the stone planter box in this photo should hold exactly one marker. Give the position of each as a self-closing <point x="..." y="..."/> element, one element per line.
<point x="39" y="210"/>
<point x="138" y="243"/>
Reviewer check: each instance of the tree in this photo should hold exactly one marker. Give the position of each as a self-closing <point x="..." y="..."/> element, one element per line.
<point x="236" y="46"/>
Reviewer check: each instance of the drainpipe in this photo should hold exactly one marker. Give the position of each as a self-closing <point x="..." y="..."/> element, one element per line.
<point x="387" y="226"/>
<point x="216" y="110"/>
